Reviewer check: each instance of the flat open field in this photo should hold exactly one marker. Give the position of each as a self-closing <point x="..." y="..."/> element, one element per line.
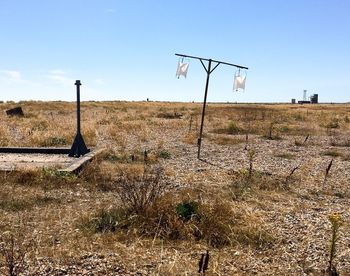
<point x="259" y="200"/>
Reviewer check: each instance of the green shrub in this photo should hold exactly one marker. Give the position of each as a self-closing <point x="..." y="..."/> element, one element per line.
<point x="186" y="210"/>
<point x="165" y="154"/>
<point x="52" y="172"/>
<point x="232" y="128"/>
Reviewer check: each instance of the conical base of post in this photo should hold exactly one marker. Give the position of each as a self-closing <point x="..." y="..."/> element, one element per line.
<point x="78" y="148"/>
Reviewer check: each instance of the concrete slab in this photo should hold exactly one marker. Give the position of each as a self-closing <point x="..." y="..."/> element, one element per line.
<point x="61" y="162"/>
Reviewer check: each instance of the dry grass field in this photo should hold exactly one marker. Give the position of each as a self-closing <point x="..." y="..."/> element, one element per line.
<point x="270" y="192"/>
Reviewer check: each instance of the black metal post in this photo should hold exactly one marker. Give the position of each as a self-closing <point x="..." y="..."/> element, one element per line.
<point x="78" y="148"/>
<point x="78" y="83"/>
<point x="203" y="110"/>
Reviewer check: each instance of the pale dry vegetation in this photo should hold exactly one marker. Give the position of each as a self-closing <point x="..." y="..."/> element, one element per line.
<point x="259" y="201"/>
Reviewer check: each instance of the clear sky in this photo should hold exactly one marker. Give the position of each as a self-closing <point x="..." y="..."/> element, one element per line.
<point x="124" y="50"/>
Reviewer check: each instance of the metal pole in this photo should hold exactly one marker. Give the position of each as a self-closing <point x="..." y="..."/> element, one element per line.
<point x="203" y="110"/>
<point x="78" y="147"/>
<point x="78" y="83"/>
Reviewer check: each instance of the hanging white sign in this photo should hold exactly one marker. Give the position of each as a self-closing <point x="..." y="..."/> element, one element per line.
<point x="239" y="82"/>
<point x="182" y="69"/>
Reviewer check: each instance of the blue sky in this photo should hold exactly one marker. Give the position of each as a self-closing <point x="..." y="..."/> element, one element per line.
<point x="124" y="50"/>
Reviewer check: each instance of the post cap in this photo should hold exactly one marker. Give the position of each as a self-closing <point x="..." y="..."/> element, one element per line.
<point x="77" y="82"/>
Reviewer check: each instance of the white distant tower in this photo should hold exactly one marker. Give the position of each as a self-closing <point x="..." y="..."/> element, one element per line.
<point x="304" y="96"/>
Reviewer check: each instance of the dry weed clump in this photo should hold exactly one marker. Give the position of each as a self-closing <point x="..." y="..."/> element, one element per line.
<point x="170" y="115"/>
<point x="340" y="142"/>
<point x="138" y="192"/>
<point x="272" y="131"/>
<point x="332" y="153"/>
<point x="23" y="177"/>
<point x="175" y="216"/>
<point x="12" y="202"/>
<point x="336" y="222"/>
<point x="285" y="155"/>
<point x="106" y="220"/>
<point x="45" y="178"/>
<point x="90" y="135"/>
<point x="332" y="124"/>
<point x="249" y="181"/>
<point x="109" y="167"/>
<point x="231" y="128"/>
<point x="55" y="141"/>
<point x="190" y="138"/>
<point x="4" y="136"/>
<point x="224" y="140"/>
<point x="99" y="175"/>
<point x="120" y="137"/>
<point x="13" y="252"/>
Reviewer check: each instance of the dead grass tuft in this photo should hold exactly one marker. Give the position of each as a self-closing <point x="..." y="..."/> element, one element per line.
<point x="190" y="138"/>
<point x="45" y="178"/>
<point x="138" y="192"/>
<point x="245" y="183"/>
<point x="215" y="223"/>
<point x="223" y="140"/>
<point x="332" y="153"/>
<point x="13" y="252"/>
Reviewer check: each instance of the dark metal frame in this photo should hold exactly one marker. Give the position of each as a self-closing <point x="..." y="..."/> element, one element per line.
<point x="78" y="148"/>
<point x="209" y="71"/>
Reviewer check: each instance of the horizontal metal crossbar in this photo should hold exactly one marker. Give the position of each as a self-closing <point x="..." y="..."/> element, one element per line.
<point x="213" y="60"/>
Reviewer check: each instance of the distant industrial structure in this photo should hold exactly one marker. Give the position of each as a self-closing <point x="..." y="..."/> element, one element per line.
<point x="313" y="99"/>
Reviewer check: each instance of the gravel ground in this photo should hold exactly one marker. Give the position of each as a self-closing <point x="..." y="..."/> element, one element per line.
<point x="297" y="217"/>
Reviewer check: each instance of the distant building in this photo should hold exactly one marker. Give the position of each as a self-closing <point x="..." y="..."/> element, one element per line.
<point x="293" y="101"/>
<point x="314" y="99"/>
<point x="303" y="102"/>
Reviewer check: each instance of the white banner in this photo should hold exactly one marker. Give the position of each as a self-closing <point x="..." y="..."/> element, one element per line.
<point x="182" y="69"/>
